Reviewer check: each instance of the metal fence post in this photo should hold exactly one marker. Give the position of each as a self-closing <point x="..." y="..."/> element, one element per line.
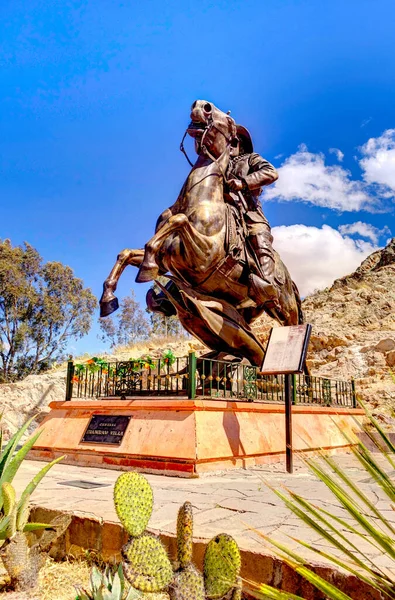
<point x="354" y="394"/>
<point x="69" y="380"/>
<point x="192" y="375"/>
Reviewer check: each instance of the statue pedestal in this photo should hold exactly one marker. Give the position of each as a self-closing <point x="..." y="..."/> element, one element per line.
<point x="184" y="437"/>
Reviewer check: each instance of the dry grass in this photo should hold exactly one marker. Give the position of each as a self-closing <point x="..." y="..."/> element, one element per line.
<point x="57" y="581"/>
<point x="158" y="343"/>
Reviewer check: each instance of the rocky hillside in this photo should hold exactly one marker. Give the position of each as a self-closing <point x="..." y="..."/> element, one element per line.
<point x="354" y="328"/>
<point x="24" y="399"/>
<point x="353" y="336"/>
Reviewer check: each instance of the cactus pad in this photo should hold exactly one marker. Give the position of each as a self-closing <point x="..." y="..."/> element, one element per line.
<point x="133" y="501"/>
<point x="188" y="584"/>
<point x="184" y="534"/>
<point x="222" y="564"/>
<point x="146" y="564"/>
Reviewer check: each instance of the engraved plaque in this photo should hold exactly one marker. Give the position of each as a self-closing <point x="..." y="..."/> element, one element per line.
<point x="286" y="350"/>
<point x="106" y="429"/>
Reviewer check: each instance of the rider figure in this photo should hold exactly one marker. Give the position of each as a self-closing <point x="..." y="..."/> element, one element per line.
<point x="247" y="173"/>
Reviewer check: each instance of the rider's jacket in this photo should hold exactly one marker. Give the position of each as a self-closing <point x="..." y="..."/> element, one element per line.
<point x="255" y="172"/>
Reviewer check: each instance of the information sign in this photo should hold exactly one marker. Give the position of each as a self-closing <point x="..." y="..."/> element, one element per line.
<point x="106" y="429"/>
<point x="286" y="350"/>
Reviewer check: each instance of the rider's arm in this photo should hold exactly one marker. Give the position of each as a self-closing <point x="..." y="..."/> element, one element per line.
<point x="261" y="172"/>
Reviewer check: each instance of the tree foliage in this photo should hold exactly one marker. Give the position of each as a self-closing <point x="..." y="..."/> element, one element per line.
<point x="165" y="326"/>
<point x="42" y="307"/>
<point x="128" y="326"/>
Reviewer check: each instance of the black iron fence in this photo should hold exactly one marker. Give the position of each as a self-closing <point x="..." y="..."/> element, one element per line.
<point x="127" y="378"/>
<point x="233" y="380"/>
<point x="193" y="377"/>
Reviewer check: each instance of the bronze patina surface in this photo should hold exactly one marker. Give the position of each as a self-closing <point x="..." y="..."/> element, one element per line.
<point x="215" y="244"/>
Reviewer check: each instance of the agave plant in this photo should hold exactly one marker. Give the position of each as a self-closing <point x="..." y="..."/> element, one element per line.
<point x="21" y="562"/>
<point x="364" y="527"/>
<point x="107" y="585"/>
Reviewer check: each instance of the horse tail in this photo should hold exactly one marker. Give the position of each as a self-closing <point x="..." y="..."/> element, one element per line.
<point x="298" y="303"/>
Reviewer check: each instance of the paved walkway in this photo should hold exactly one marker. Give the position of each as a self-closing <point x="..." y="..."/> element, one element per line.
<point x="230" y="502"/>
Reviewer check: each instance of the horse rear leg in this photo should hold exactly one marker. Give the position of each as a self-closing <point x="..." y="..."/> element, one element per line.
<point x="108" y="301"/>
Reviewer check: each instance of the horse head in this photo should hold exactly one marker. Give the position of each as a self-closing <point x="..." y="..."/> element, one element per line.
<point x="211" y="128"/>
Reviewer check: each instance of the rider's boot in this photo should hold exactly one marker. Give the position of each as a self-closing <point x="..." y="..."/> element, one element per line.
<point x="264" y="286"/>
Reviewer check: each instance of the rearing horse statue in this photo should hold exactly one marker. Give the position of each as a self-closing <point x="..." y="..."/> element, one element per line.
<point x="200" y="244"/>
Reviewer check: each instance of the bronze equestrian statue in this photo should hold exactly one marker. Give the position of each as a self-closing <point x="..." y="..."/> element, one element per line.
<point x="215" y="246"/>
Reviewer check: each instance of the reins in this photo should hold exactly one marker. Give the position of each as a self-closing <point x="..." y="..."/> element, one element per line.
<point x="183" y="149"/>
<point x="204" y="148"/>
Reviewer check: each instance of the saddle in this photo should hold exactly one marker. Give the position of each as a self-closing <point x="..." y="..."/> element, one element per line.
<point x="237" y="242"/>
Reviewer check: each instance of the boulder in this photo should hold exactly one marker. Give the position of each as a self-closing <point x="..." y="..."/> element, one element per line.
<point x="390" y="358"/>
<point x="385" y="345"/>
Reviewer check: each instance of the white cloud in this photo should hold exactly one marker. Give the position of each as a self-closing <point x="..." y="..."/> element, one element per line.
<point x="366" y="121"/>
<point x="364" y="230"/>
<point x="338" y="153"/>
<point x="316" y="256"/>
<point x="378" y="163"/>
<point x="305" y="177"/>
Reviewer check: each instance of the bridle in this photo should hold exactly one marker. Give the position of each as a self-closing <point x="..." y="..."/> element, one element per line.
<point x="209" y="127"/>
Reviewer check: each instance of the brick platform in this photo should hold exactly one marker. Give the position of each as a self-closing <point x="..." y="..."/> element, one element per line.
<point x="185" y="437"/>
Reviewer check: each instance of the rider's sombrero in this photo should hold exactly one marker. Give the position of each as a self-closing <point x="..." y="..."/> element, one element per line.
<point x="245" y="137"/>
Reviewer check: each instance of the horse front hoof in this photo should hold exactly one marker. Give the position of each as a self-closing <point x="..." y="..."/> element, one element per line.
<point x="147" y="274"/>
<point x="107" y="308"/>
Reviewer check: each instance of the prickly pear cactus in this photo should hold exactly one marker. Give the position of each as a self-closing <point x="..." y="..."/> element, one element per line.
<point x="222" y="564"/>
<point x="133" y="499"/>
<point x="188" y="584"/>
<point x="146" y="564"/>
<point x="185" y="535"/>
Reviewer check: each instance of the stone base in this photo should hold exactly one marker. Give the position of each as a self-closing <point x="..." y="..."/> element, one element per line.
<point x="185" y="437"/>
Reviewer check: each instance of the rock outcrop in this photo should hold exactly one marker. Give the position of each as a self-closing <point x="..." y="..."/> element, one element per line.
<point x="24" y="399"/>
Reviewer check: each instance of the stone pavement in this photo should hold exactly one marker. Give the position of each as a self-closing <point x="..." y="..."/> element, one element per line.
<point x="229" y="501"/>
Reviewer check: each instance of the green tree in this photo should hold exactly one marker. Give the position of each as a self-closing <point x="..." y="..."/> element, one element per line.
<point x="128" y="326"/>
<point x="42" y="307"/>
<point x="166" y="326"/>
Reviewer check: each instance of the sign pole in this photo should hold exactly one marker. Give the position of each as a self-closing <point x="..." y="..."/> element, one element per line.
<point x="286" y="355"/>
<point x="288" y="422"/>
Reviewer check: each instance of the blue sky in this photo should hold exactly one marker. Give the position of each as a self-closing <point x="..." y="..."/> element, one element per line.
<point x="96" y="96"/>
